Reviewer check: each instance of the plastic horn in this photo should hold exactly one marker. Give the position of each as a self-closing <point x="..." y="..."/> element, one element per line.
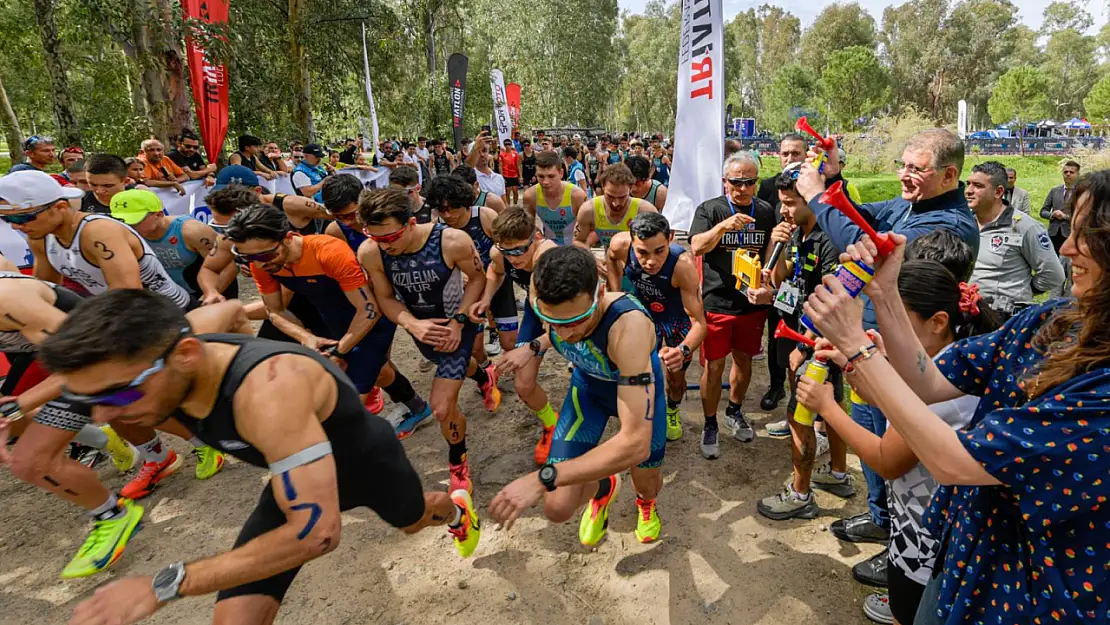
<point x="802" y="125"/>
<point x="834" y="196"/>
<point x="783" y="331"/>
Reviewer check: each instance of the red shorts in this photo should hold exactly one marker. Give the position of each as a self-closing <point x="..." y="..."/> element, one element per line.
<point x="728" y="333"/>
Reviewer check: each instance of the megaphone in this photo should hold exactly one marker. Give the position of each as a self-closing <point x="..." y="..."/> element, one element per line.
<point x="834" y="196"/>
<point x="825" y="143"/>
<point x="783" y="331"/>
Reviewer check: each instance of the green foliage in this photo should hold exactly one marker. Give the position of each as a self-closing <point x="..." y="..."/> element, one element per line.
<point x="1069" y="64"/>
<point x="1097" y="102"/>
<point x="838" y="26"/>
<point x="1019" y="95"/>
<point x="853" y="85"/>
<point x="793" y="86"/>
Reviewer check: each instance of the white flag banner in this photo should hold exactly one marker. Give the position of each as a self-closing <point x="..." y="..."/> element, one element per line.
<point x="699" y="144"/>
<point x="501" y="115"/>
<point x="370" y="93"/>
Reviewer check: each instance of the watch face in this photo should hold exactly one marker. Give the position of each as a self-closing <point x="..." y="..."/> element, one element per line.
<point x="165" y="577"/>
<point x="547" y="473"/>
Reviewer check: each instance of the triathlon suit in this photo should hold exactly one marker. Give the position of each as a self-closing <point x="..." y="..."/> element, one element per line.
<point x="481" y="201"/>
<point x="432" y="290"/>
<point x="423" y="214"/>
<point x="592" y="399"/>
<point x="530" y="326"/>
<point x="662" y="299"/>
<point x="326" y="270"/>
<point x="181" y="263"/>
<point x="71" y="263"/>
<point x="371" y="469"/>
<point x="650" y="196"/>
<point x="576" y="167"/>
<point x="614" y="157"/>
<point x="503" y="304"/>
<point x="441" y="165"/>
<point x="558" y="222"/>
<point x="606" y="230"/>
<point x="353" y="237"/>
<point x="300" y="307"/>
<point x="528" y="168"/>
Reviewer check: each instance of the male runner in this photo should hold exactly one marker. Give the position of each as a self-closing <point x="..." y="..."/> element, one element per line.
<point x="558" y="221"/>
<point x="665" y="279"/>
<point x="611" y="212"/>
<point x="517" y="245"/>
<point x="407" y="179"/>
<point x="107" y="176"/>
<point x="417" y="272"/>
<point x="616" y="373"/>
<point x="651" y="191"/>
<point x="273" y="405"/>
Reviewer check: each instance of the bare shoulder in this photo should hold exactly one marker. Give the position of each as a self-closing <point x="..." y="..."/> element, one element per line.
<point x="620" y="242"/>
<point x="578" y="195"/>
<point x="369" y="255"/>
<point x="647" y="207"/>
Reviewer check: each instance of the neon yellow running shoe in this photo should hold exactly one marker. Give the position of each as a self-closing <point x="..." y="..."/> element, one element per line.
<point x="674" y="424"/>
<point x="105" y="543"/>
<point x="595" y="518"/>
<point x="209" y="461"/>
<point x="647" y="522"/>
<point x="124" y="455"/>
<point x="469" y="531"/>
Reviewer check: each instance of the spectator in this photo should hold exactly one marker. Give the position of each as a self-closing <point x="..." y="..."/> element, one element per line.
<point x="1015" y="195"/>
<point x="107" y="176"/>
<point x="350" y="151"/>
<point x="732" y="146"/>
<point x="333" y="163"/>
<point x="71" y="155"/>
<point x="75" y="175"/>
<point x="159" y="171"/>
<point x="412" y="159"/>
<point x="510" y="171"/>
<point x="308" y="175"/>
<point x="576" y="174"/>
<point x="250" y="147"/>
<point x="187" y="157"/>
<point x="1057" y="207"/>
<point x="488" y="180"/>
<point x="792" y="149"/>
<point x="273" y="159"/>
<point x="135" y="167"/>
<point x="39" y="151"/>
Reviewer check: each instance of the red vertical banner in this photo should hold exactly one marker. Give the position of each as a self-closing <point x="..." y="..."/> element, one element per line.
<point x="208" y="80"/>
<point x="512" y="97"/>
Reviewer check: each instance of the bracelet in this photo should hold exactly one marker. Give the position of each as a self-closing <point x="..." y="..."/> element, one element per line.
<point x="865" y="353"/>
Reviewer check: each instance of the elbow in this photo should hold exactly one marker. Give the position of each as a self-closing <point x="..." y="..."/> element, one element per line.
<point x="322" y="538"/>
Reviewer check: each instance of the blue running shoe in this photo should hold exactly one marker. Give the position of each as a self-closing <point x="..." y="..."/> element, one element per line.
<point x="410" y="422"/>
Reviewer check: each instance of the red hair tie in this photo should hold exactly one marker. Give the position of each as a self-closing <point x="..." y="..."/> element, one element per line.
<point x="970" y="298"/>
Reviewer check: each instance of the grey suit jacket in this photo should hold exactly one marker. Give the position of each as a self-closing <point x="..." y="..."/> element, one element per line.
<point x="1019" y="199"/>
<point x="1055" y="202"/>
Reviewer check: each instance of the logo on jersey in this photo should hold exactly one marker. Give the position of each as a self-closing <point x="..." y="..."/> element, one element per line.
<point x="1044" y="241"/>
<point x="656" y="307"/>
<point x="996" y="242"/>
<point x="173" y="240"/>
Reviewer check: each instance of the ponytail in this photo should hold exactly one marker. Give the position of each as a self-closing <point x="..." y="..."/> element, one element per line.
<point x="927" y="288"/>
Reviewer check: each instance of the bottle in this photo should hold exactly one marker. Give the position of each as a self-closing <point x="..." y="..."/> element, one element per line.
<point x="854" y="276"/>
<point x="816" y="370"/>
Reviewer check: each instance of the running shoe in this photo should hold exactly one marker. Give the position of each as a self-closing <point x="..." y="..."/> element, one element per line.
<point x="85" y="455"/>
<point x="469" y="531"/>
<point x="824" y="479"/>
<point x="674" y="424"/>
<point x="778" y="429"/>
<point x="741" y="429"/>
<point x="460" y="477"/>
<point x="374" y="401"/>
<point x="105" y="543"/>
<point x="493" y="346"/>
<point x="491" y="395"/>
<point x="543" y="447"/>
<point x="595" y="518"/>
<point x="124" y="455"/>
<point x="710" y="449"/>
<point x="408" y="423"/>
<point x="209" y="461"/>
<point x="647" y="523"/>
<point x="150" y="475"/>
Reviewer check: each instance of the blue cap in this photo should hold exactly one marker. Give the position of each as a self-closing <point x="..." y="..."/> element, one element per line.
<point x="236" y="174"/>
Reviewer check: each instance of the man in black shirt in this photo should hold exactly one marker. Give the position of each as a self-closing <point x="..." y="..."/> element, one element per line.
<point x="107" y="176"/>
<point x="792" y="149"/>
<point x="349" y="153"/>
<point x="187" y="157"/>
<point x="723" y="226"/>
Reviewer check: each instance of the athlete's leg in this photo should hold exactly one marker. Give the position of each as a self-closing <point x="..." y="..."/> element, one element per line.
<point x="676" y="385"/>
<point x="647" y="482"/>
<point x="38" y="458"/>
<point x="246" y="610"/>
<point x="525" y="381"/>
<point x="711" y="377"/>
<point x="803" y="453"/>
<point x="386" y="376"/>
<point x="445" y="408"/>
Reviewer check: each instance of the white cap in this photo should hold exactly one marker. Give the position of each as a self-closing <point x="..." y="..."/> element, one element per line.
<point x="30" y="189"/>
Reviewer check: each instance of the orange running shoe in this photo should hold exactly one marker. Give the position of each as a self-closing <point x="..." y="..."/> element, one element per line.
<point x="491" y="395"/>
<point x="374" y="401"/>
<point x="543" y="447"/>
<point x="460" y="477"/>
<point x="150" y="475"/>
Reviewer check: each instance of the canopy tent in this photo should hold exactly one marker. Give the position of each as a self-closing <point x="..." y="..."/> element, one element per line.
<point x="1077" y="124"/>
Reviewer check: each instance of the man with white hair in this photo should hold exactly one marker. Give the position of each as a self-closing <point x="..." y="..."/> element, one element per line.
<point x="159" y="171"/>
<point x="736" y="222"/>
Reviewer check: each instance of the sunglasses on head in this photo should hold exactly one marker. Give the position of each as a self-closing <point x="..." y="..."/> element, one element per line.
<point x="34" y="140"/>
<point x="24" y="218"/>
<point x="261" y="257"/>
<point x="129" y="393"/>
<point x="515" y="251"/>
<point x="573" y="321"/>
<point x="387" y="238"/>
<point x="742" y="182"/>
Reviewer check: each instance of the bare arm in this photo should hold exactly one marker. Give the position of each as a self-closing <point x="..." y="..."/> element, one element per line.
<point x="43" y="270"/>
<point x="616" y="259"/>
<point x="661" y="197"/>
<point x="199" y="237"/>
<point x="217" y="272"/>
<point x="583" y="226"/>
<point x="366" y="315"/>
<point x="28" y="308"/>
<point x="285" y="320"/>
<point x="369" y="256"/>
<point x="459" y="251"/>
<point x="228" y="316"/>
<point x="686" y="279"/>
<point x="109" y="247"/>
<point x="299" y="207"/>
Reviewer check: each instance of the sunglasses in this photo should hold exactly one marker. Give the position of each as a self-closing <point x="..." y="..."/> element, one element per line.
<point x="126" y="394"/>
<point x="515" y="251"/>
<point x="742" y="182"/>
<point x="261" y="257"/>
<point x="34" y="140"/>
<point x="387" y="238"/>
<point x="24" y="218"/>
<point x="186" y="146"/>
<point x="573" y="321"/>
<point x="346" y="217"/>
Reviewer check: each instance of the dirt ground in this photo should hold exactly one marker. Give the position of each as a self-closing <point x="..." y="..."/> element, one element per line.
<point x="719" y="561"/>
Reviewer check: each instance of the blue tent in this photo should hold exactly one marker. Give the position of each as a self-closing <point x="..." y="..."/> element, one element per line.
<point x="1077" y="124"/>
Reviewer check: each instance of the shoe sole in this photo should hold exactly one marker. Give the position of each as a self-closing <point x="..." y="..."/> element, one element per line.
<point x="805" y="512"/>
<point x="710" y="455"/>
<point x="419" y="424"/>
<point x="840" y="490"/>
<point x="736" y="436"/>
<point x="778" y="435"/>
<point x="878" y="618"/>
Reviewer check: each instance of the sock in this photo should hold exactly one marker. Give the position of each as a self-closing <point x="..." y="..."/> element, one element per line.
<point x="197" y="443"/>
<point x="672" y="404"/>
<point x="802" y="495"/>
<point x="547" y="415"/>
<point x="456" y="452"/>
<point x="458" y="517"/>
<point x="401" y="392"/>
<point x="109" y="510"/>
<point x="153" y="450"/>
<point x="711" y="422"/>
<point x="733" y="408"/>
<point x="92" y="436"/>
<point x="480" y="376"/>
<point x="604" y="487"/>
<point x="839" y="474"/>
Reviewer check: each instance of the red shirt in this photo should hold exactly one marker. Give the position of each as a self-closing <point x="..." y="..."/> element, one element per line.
<point x="510" y="164"/>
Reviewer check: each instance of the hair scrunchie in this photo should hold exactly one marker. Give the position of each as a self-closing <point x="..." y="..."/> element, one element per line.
<point x="970" y="298"/>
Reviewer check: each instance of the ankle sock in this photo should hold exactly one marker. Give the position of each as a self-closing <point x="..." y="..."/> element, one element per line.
<point x="92" y="436"/>
<point x="401" y="392"/>
<point x="672" y="404"/>
<point x="733" y="408"/>
<point x="711" y="422"/>
<point x="547" y="415"/>
<point x="109" y="510"/>
<point x="153" y="450"/>
<point x="480" y="376"/>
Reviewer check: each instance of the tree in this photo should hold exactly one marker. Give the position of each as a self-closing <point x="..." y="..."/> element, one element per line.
<point x="975" y="39"/>
<point x="1060" y="16"/>
<point x="853" y="85"/>
<point x="1069" y="64"/>
<point x="1097" y="102"/>
<point x="791" y="90"/>
<point x="69" y="133"/>
<point x="11" y="127"/>
<point x="915" y="51"/>
<point x="1019" y="96"/>
<point x="838" y="26"/>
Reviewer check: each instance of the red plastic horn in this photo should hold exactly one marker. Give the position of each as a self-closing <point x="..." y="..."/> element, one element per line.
<point x="783" y="331"/>
<point x="834" y="196"/>
<point x="802" y="125"/>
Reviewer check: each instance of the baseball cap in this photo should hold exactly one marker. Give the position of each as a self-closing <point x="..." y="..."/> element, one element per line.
<point x="134" y="205"/>
<point x="313" y="149"/>
<point x="30" y="189"/>
<point x="235" y="174"/>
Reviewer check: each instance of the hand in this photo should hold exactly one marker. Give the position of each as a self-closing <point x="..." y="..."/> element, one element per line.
<point x="602" y="268"/>
<point x="122" y="602"/>
<point x="516" y="358"/>
<point x="832" y="163"/>
<point x="180" y="189"/>
<point x="672" y="358"/>
<point x="428" y="331"/>
<point x="796" y="359"/>
<point x="885" y="281"/>
<point x="1059" y="215"/>
<point x="523" y="493"/>
<point x="267" y="175"/>
<point x="828" y="352"/>
<point x="783" y="232"/>
<point x="838" y="315"/>
<point x="478" y="311"/>
<point x="810" y="183"/>
<point x="877" y="339"/>
<point x="762" y="296"/>
<point x="318" y="344"/>
<point x="214" y="298"/>
<point x="209" y="180"/>
<point x="739" y="221"/>
<point x="454" y="337"/>
<point x="816" y="397"/>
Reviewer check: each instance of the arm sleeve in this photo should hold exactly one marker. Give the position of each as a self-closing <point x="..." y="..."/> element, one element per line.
<point x="1036" y="246"/>
<point x="266" y="283"/>
<point x="1046" y="209"/>
<point x="340" y="264"/>
<point x="836" y="224"/>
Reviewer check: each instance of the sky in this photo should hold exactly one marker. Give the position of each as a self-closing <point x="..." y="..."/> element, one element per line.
<point x="1029" y="11"/>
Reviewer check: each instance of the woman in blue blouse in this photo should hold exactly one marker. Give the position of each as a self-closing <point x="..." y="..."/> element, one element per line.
<point x="1023" y="517"/>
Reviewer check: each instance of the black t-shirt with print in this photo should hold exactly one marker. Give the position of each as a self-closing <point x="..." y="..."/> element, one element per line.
<point x="89" y="204"/>
<point x="718" y="284"/>
<point x="813" y="258"/>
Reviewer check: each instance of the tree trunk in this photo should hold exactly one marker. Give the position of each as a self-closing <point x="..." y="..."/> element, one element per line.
<point x="69" y="133"/>
<point x="11" y="128"/>
<point x="430" y="39"/>
<point x="302" y="99"/>
<point x="158" y="54"/>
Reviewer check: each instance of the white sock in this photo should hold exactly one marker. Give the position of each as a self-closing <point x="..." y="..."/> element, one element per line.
<point x="153" y="450"/>
<point x="92" y="436"/>
<point x="196" y="442"/>
<point x="110" y="506"/>
<point x="458" y="518"/>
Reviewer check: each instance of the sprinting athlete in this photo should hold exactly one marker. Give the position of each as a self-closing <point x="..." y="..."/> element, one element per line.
<point x="612" y="211"/>
<point x="558" y="221"/>
<point x="665" y="279"/>
<point x="517" y="246"/>
<point x="646" y="188"/>
<point x="417" y="271"/>
<point x="279" y="406"/>
<point x="616" y="373"/>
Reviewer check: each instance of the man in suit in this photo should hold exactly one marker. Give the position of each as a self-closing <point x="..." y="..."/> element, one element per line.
<point x="1056" y="209"/>
<point x="1016" y="196"/>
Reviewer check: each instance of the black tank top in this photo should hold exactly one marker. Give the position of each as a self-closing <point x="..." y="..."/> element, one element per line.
<point x="250" y="162"/>
<point x="441" y="164"/>
<point x="65" y="300"/>
<point x="218" y="428"/>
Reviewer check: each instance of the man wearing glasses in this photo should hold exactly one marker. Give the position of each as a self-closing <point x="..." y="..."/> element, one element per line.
<point x="616" y="373"/>
<point x="39" y="151"/>
<point x="407" y="179"/>
<point x="187" y="157"/>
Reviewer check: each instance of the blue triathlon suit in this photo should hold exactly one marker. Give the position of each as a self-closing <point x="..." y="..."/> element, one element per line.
<point x="503" y="304"/>
<point x="353" y="237"/>
<point x="530" y="326"/>
<point x="592" y="399"/>
<point x="662" y="299"/>
<point x="432" y="290"/>
<point x="181" y="263"/>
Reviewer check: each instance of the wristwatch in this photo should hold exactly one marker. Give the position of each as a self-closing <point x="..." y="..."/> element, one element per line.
<point x="10" y="410"/>
<point x="535" y="346"/>
<point x="334" y="351"/>
<point x="685" y="351"/>
<point x="167" y="582"/>
<point x="547" y="477"/>
<point x="460" y="317"/>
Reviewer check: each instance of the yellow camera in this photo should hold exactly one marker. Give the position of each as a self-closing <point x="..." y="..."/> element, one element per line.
<point x="747" y="269"/>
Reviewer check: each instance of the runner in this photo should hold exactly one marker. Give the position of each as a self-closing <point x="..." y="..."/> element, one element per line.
<point x="558" y="221"/>
<point x="611" y="212"/>
<point x="665" y="279"/>
<point x="424" y="265"/>
<point x="407" y="179"/>
<point x="510" y="171"/>
<point x="272" y="405"/>
<point x="593" y="165"/>
<point x="615" y="373"/>
<point x="527" y="164"/>
<point x="646" y="188"/>
<point x="107" y="176"/>
<point x="442" y="160"/>
<point x="661" y="164"/>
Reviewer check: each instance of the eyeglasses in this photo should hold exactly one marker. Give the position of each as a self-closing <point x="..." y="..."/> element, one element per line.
<point x="261" y="257"/>
<point x="913" y="169"/>
<point x="742" y="182"/>
<point x="127" y="394"/>
<point x="387" y="238"/>
<point x="515" y="251"/>
<point x="573" y="321"/>
<point x="24" y="218"/>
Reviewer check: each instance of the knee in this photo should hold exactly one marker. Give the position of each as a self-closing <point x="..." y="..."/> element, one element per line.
<point x="715" y="368"/>
<point x="442" y="409"/>
<point x="558" y="510"/>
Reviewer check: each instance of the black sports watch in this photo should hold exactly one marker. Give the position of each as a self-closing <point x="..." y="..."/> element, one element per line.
<point x="547" y="477"/>
<point x="334" y="351"/>
<point x="460" y="317"/>
<point x="535" y="346"/>
<point x="685" y="351"/>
